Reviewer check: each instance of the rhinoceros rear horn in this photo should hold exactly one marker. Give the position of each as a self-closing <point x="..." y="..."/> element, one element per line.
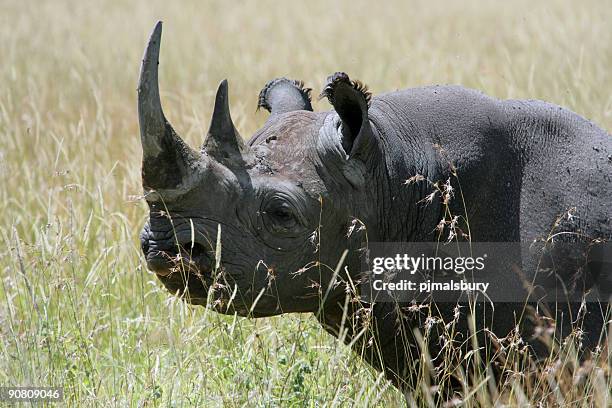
<point x="284" y="95"/>
<point x="223" y="141"/>
<point x="166" y="158"/>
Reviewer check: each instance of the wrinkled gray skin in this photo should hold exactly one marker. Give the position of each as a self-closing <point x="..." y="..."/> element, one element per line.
<point x="286" y="200"/>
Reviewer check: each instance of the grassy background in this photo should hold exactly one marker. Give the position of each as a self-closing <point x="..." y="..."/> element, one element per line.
<point x="77" y="306"/>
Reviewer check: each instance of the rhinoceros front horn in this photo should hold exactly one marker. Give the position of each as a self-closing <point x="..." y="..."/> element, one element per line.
<point x="167" y="160"/>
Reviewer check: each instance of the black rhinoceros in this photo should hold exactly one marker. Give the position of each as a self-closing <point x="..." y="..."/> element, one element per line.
<point x="288" y="211"/>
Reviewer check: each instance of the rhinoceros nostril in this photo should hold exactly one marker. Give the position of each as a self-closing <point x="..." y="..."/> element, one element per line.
<point x="197" y="255"/>
<point x="194" y="249"/>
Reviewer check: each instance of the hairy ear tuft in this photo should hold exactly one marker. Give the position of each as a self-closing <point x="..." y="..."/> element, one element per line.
<point x="282" y="95"/>
<point x="351" y="101"/>
<point x="333" y="81"/>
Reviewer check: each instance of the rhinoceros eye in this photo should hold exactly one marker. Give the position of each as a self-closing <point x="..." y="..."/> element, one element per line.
<point x="280" y="216"/>
<point x="283" y="214"/>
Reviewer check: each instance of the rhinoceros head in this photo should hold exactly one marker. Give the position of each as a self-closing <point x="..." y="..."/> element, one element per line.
<point x="253" y="228"/>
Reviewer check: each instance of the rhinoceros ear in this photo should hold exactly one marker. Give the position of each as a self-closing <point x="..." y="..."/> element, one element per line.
<point x="282" y="95"/>
<point x="351" y="100"/>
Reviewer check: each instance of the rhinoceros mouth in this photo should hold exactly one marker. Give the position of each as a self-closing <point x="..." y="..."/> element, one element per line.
<point x="183" y="268"/>
<point x="187" y="273"/>
<point x="189" y="287"/>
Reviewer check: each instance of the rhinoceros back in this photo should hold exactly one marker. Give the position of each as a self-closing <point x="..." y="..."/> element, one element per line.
<point x="522" y="166"/>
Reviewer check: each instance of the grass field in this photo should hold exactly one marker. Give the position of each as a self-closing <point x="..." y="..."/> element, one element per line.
<point x="77" y="305"/>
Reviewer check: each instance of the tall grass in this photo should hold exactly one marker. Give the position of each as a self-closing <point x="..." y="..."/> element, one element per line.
<point x="77" y="306"/>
